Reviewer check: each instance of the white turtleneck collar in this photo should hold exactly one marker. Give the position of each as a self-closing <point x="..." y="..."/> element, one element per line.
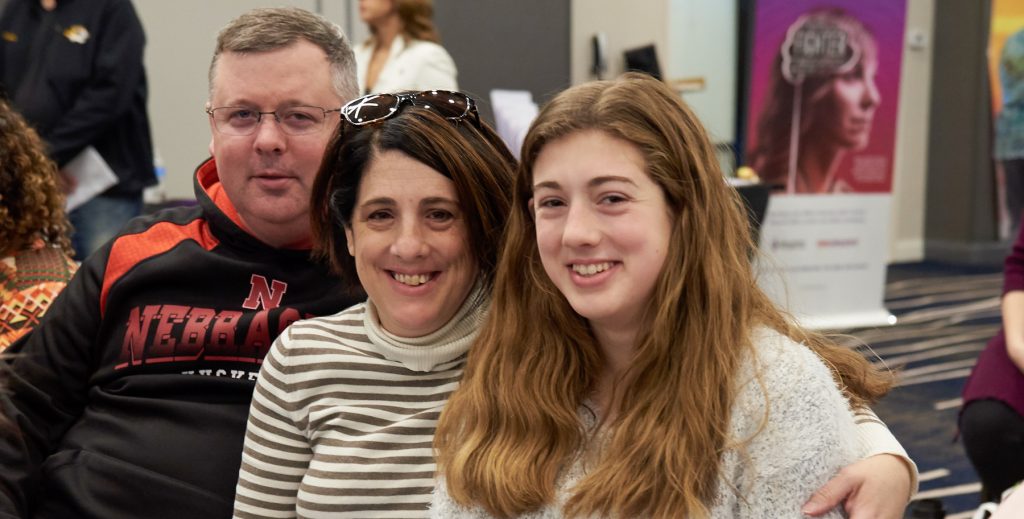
<point x="426" y="352"/>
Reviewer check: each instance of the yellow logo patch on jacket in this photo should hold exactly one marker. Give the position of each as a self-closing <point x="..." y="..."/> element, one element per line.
<point x="9" y="36"/>
<point x="77" y="34"/>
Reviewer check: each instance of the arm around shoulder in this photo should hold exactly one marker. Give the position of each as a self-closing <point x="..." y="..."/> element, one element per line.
<point x="877" y="440"/>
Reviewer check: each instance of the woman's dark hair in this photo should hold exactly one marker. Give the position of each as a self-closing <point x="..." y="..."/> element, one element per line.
<point x="472" y="156"/>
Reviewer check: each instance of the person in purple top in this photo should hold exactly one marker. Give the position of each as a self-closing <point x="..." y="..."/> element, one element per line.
<point x="992" y="418"/>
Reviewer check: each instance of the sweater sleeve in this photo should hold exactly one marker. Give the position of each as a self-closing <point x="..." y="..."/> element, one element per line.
<point x="49" y="375"/>
<point x="276" y="452"/>
<point x="875" y="438"/>
<point x="795" y="431"/>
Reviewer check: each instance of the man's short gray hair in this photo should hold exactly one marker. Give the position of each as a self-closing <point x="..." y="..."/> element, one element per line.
<point x="268" y="29"/>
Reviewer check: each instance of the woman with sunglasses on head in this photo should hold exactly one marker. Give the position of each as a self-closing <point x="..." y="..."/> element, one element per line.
<point x="630" y="365"/>
<point x="411" y="196"/>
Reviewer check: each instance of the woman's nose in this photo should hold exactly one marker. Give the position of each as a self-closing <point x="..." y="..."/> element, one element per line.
<point x="410" y="242"/>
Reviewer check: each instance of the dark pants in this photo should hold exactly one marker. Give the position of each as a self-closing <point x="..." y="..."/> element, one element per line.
<point x="1013" y="171"/>
<point x="98" y="220"/>
<point x="993" y="436"/>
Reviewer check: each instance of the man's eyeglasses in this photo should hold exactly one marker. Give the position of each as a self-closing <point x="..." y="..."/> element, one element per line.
<point x="373" y="108"/>
<point x="296" y="120"/>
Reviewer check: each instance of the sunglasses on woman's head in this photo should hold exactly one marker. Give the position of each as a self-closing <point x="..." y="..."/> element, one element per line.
<point x="374" y="108"/>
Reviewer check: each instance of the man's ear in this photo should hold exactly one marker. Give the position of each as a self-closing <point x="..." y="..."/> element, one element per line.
<point x="213" y="129"/>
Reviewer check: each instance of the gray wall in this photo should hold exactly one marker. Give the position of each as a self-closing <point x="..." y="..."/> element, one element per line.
<point x="960" y="216"/>
<point x="521" y="45"/>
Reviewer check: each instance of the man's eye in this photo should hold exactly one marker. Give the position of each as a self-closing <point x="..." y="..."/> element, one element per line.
<point x="242" y="115"/>
<point x="299" y="117"/>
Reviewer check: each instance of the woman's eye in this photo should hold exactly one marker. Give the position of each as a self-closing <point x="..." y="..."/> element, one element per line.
<point x="441" y="216"/>
<point x="378" y="215"/>
<point x="550" y="203"/>
<point x="614" y="199"/>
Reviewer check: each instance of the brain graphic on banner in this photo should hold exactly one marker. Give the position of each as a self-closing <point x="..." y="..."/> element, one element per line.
<point x="815" y="47"/>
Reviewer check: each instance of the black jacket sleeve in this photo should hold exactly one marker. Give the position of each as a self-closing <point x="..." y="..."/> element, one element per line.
<point x="108" y="93"/>
<point x="48" y="376"/>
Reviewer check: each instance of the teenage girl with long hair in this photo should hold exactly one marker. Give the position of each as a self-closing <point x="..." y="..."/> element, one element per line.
<point x="630" y="365"/>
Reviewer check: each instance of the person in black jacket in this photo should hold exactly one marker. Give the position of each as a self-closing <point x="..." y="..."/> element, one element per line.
<point x="133" y="392"/>
<point x="74" y="69"/>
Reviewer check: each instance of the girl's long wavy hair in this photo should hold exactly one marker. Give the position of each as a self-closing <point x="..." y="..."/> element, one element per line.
<point x="512" y="427"/>
<point x="31" y="200"/>
<point x="769" y="155"/>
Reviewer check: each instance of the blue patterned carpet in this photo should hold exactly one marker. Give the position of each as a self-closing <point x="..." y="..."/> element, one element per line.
<point x="945" y="317"/>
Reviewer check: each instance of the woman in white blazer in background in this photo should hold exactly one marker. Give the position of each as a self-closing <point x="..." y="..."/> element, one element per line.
<point x="403" y="52"/>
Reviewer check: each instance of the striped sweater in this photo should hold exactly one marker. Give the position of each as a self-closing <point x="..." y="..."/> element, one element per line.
<point x="343" y="417"/>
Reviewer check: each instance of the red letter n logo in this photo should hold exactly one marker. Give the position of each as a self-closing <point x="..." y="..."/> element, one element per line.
<point x="263" y="296"/>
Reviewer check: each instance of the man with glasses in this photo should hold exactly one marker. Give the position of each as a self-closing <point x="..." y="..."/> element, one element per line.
<point x="133" y="393"/>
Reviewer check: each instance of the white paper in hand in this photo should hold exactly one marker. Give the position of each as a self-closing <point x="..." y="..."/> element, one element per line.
<point x="92" y="176"/>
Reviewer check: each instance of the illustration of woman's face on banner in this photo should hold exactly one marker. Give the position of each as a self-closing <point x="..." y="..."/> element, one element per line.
<point x="843" y="114"/>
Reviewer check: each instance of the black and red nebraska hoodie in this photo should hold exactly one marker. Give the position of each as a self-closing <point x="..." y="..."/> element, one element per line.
<point x="132" y="394"/>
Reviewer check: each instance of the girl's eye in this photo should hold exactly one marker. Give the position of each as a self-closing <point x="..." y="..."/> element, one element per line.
<point x="550" y="202"/>
<point x="614" y="199"/>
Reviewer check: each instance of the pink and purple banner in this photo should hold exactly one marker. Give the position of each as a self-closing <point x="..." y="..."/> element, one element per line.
<point x="824" y="91"/>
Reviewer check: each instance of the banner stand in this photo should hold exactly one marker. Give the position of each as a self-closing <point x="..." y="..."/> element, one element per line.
<point x="824" y="100"/>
